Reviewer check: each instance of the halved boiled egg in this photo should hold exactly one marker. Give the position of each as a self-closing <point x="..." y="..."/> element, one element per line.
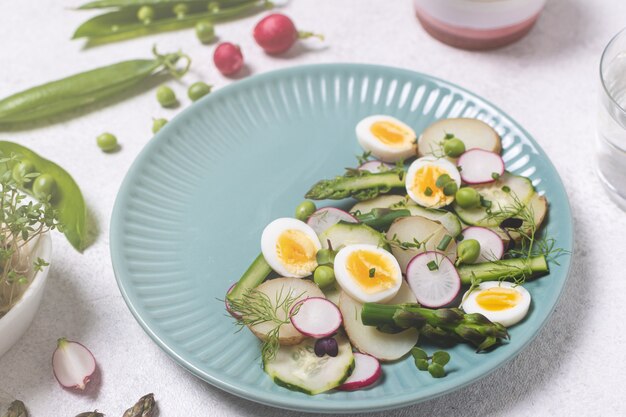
<point x="387" y="138"/>
<point x="421" y="181"/>
<point x="501" y="302"/>
<point x="367" y="273"/>
<point x="290" y="247"/>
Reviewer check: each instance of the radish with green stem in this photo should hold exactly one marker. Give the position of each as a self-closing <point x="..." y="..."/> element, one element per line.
<point x="277" y="33"/>
<point x="433" y="279"/>
<point x="73" y="364"/>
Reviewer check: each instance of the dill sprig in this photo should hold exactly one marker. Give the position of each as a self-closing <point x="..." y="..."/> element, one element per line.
<point x="255" y="307"/>
<point x="415" y="244"/>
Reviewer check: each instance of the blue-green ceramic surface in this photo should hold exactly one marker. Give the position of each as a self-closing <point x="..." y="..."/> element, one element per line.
<point x="188" y="218"/>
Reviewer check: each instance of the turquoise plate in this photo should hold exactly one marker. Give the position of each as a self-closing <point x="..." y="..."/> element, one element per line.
<point x="188" y="218"/>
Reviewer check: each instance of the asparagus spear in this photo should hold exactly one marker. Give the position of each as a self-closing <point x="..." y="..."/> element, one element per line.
<point x="16" y="409"/>
<point x="444" y="325"/>
<point x="361" y="185"/>
<point x="94" y="413"/>
<point x="252" y="278"/>
<point x="509" y="269"/>
<point x="145" y="407"/>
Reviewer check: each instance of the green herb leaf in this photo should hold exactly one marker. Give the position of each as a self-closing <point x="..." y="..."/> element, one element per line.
<point x="442" y="180"/>
<point x="372" y="272"/>
<point x="441" y="357"/>
<point x="419" y="353"/>
<point x="421" y="364"/>
<point x="436" y="370"/>
<point x="495" y="176"/>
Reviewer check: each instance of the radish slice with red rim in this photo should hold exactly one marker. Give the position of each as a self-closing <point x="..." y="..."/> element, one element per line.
<point x="478" y="166"/>
<point x="367" y="370"/>
<point x="316" y="317"/>
<point x="433" y="279"/>
<point x="227" y="304"/>
<point x="73" y="364"/>
<point x="491" y="245"/>
<point x="325" y="217"/>
<point x="375" y="166"/>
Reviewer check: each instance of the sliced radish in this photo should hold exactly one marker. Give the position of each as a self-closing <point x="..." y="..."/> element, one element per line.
<point x="227" y="304"/>
<point x="491" y="245"/>
<point x="480" y="167"/>
<point x="316" y="317"/>
<point x="73" y="364"/>
<point x="325" y="217"/>
<point x="375" y="166"/>
<point x="367" y="370"/>
<point x="433" y="279"/>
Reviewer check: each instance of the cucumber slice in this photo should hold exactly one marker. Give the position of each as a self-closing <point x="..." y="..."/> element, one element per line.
<point x="298" y="368"/>
<point x="519" y="187"/>
<point x="538" y="205"/>
<point x="397" y="202"/>
<point x="344" y="234"/>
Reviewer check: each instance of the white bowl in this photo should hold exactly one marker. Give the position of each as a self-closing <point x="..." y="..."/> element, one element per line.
<point x="15" y="323"/>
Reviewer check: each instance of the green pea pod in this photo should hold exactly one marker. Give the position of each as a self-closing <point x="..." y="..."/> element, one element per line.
<point x="123" y="24"/>
<point x="102" y="4"/>
<point x="68" y="199"/>
<point x="82" y="89"/>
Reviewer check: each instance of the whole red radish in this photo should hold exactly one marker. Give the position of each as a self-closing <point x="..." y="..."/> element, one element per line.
<point x="276" y="33"/>
<point x="228" y="58"/>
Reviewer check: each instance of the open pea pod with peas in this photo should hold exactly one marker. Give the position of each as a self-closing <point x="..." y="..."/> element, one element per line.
<point x="47" y="180"/>
<point x="133" y="18"/>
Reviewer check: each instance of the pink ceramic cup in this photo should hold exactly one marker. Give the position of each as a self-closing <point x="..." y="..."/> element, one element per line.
<point x="478" y="24"/>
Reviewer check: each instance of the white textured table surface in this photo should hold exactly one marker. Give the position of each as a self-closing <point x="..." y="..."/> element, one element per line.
<point x="548" y="82"/>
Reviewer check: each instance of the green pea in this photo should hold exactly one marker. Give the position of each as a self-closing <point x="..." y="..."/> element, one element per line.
<point x="180" y="10"/>
<point x="107" y="142"/>
<point x="453" y="147"/>
<point x="467" y="198"/>
<point x="21" y="170"/>
<point x="166" y="96"/>
<point x="44" y="187"/>
<point x="324" y="276"/>
<point x="205" y="31"/>
<point x="325" y="257"/>
<point x="157" y="124"/>
<point x="213" y="7"/>
<point x="450" y="188"/>
<point x="198" y="90"/>
<point x="467" y="251"/>
<point x="145" y="14"/>
<point x="305" y="209"/>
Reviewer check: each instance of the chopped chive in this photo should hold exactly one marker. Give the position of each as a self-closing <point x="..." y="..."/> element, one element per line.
<point x="372" y="272"/>
<point x="428" y="192"/>
<point x="495" y="176"/>
<point x="445" y="241"/>
<point x="506" y="188"/>
<point x="449" y="136"/>
<point x="432" y="265"/>
<point x="485" y="203"/>
<point x="442" y="180"/>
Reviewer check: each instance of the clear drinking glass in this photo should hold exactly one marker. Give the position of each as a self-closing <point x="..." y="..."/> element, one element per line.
<point x="611" y="140"/>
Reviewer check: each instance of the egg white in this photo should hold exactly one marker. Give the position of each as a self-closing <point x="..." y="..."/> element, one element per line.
<point x="269" y="240"/>
<point x="353" y="288"/>
<point x="382" y="151"/>
<point x="507" y="317"/>
<point x="443" y="164"/>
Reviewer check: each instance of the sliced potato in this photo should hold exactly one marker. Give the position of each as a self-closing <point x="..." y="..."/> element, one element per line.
<point x="473" y="132"/>
<point x="368" y="339"/>
<point x="279" y="288"/>
<point x="421" y="229"/>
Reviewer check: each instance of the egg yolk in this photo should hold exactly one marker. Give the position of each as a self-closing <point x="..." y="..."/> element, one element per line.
<point x="371" y="270"/>
<point x="389" y="133"/>
<point x="498" y="298"/>
<point x="296" y="251"/>
<point x="426" y="178"/>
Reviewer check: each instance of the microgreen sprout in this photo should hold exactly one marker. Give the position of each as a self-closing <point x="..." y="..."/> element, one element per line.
<point x="372" y="272"/>
<point x="433" y="364"/>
